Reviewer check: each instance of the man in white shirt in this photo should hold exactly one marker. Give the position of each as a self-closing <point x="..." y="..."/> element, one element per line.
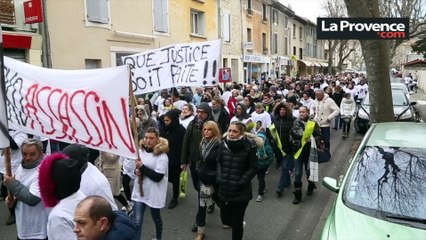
<point x="93" y="182"/>
<point x="16" y="139"/>
<point x="31" y="216"/>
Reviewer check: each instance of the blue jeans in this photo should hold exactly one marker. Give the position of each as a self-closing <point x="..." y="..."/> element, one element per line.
<point x="338" y="122"/>
<point x="287" y="165"/>
<point x="325" y="131"/>
<point x="137" y="218"/>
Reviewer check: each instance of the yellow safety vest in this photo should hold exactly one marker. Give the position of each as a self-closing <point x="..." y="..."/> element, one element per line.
<point x="307" y="133"/>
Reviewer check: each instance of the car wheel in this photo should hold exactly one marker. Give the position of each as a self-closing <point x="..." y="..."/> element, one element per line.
<point x="356" y="125"/>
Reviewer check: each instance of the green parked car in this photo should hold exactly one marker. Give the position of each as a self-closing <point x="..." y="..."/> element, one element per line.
<point x="383" y="193"/>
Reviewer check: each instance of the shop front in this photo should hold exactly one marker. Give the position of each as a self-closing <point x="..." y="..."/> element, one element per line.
<point x="256" y="68"/>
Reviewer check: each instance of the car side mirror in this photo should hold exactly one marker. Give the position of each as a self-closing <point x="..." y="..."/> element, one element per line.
<point x="413" y="103"/>
<point x="331" y="184"/>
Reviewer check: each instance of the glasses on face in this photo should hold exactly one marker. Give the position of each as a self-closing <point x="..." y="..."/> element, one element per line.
<point x="200" y="111"/>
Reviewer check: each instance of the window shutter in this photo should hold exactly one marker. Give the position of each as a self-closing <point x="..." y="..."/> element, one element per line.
<point x="97" y="11"/>
<point x="227" y="28"/>
<point x="160" y="15"/>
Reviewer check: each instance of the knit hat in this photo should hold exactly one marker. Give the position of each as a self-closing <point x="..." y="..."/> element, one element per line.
<point x="78" y="152"/>
<point x="205" y="107"/>
<point x="59" y="177"/>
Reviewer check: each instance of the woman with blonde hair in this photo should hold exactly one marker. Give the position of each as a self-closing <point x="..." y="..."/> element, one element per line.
<point x="206" y="171"/>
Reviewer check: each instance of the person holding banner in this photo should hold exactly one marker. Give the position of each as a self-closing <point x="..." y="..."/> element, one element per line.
<point x="152" y="164"/>
<point x="305" y="132"/>
<point x="31" y="216"/>
<point x="16" y="138"/>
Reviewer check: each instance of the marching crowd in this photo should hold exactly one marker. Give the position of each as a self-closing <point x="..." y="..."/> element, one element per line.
<point x="223" y="137"/>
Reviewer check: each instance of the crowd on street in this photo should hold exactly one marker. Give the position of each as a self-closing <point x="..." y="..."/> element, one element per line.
<point x="222" y="137"/>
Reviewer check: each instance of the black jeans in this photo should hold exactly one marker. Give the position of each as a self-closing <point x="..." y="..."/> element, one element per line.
<point x="347" y="126"/>
<point x="261" y="173"/>
<point x="232" y="214"/>
<point x="126" y="186"/>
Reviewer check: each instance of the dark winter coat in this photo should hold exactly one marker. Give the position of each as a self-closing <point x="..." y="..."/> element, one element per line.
<point x="237" y="165"/>
<point x="191" y="142"/>
<point x="174" y="134"/>
<point x="121" y="228"/>
<point x="284" y="126"/>
<point x="206" y="168"/>
<point x="223" y="121"/>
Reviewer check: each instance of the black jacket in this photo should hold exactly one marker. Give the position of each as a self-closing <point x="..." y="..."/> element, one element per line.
<point x="174" y="133"/>
<point x="237" y="165"/>
<point x="284" y="126"/>
<point x="122" y="228"/>
<point x="207" y="167"/>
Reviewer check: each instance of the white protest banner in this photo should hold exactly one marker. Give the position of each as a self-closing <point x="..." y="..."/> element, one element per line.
<point x="89" y="107"/>
<point x="189" y="64"/>
<point x="4" y="133"/>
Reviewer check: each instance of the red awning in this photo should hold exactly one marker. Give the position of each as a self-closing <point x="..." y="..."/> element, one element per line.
<point x="16" y="41"/>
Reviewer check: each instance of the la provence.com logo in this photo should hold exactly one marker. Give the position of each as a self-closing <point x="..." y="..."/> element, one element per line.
<point x="363" y="28"/>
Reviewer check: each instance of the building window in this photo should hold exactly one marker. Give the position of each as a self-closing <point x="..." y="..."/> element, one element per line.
<point x="300" y="53"/>
<point x="264" y="44"/>
<point x="249" y="4"/>
<point x="315" y="51"/>
<point x="97" y="11"/>
<point x="286" y="46"/>
<point x="275" y="42"/>
<point x="300" y="34"/>
<point x="226" y="27"/>
<point x="264" y="13"/>
<point x="275" y="17"/>
<point x="249" y="35"/>
<point x="294" y="51"/>
<point x="161" y="23"/>
<point x="286" y="22"/>
<point x="294" y="31"/>
<point x="197" y="22"/>
<point x="92" y="63"/>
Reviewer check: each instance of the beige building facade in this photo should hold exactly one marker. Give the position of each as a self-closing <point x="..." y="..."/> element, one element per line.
<point x="280" y="39"/>
<point x="231" y="34"/>
<point x="261" y="38"/>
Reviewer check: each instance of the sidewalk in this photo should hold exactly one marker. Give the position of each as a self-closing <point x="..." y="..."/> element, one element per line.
<point x="420" y="98"/>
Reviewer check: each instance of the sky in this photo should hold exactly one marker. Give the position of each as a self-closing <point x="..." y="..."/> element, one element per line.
<point x="310" y="9"/>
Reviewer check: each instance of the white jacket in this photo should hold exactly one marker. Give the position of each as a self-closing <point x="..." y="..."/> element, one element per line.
<point x="325" y="111"/>
<point x="347" y="107"/>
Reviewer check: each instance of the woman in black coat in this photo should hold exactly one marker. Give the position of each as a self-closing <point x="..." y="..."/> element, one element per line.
<point x="173" y="131"/>
<point x="206" y="171"/>
<point x="236" y="166"/>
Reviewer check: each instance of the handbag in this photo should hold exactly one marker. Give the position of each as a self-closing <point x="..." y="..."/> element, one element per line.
<point x="324" y="155"/>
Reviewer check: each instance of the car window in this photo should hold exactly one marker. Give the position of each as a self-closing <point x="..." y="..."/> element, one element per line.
<point x="388" y="181"/>
<point x="398" y="99"/>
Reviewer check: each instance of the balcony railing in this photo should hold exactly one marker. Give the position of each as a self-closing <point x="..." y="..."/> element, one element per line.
<point x="7" y="12"/>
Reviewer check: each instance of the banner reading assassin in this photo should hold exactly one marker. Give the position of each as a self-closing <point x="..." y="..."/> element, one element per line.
<point x="188" y="64"/>
<point x="89" y="107"/>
